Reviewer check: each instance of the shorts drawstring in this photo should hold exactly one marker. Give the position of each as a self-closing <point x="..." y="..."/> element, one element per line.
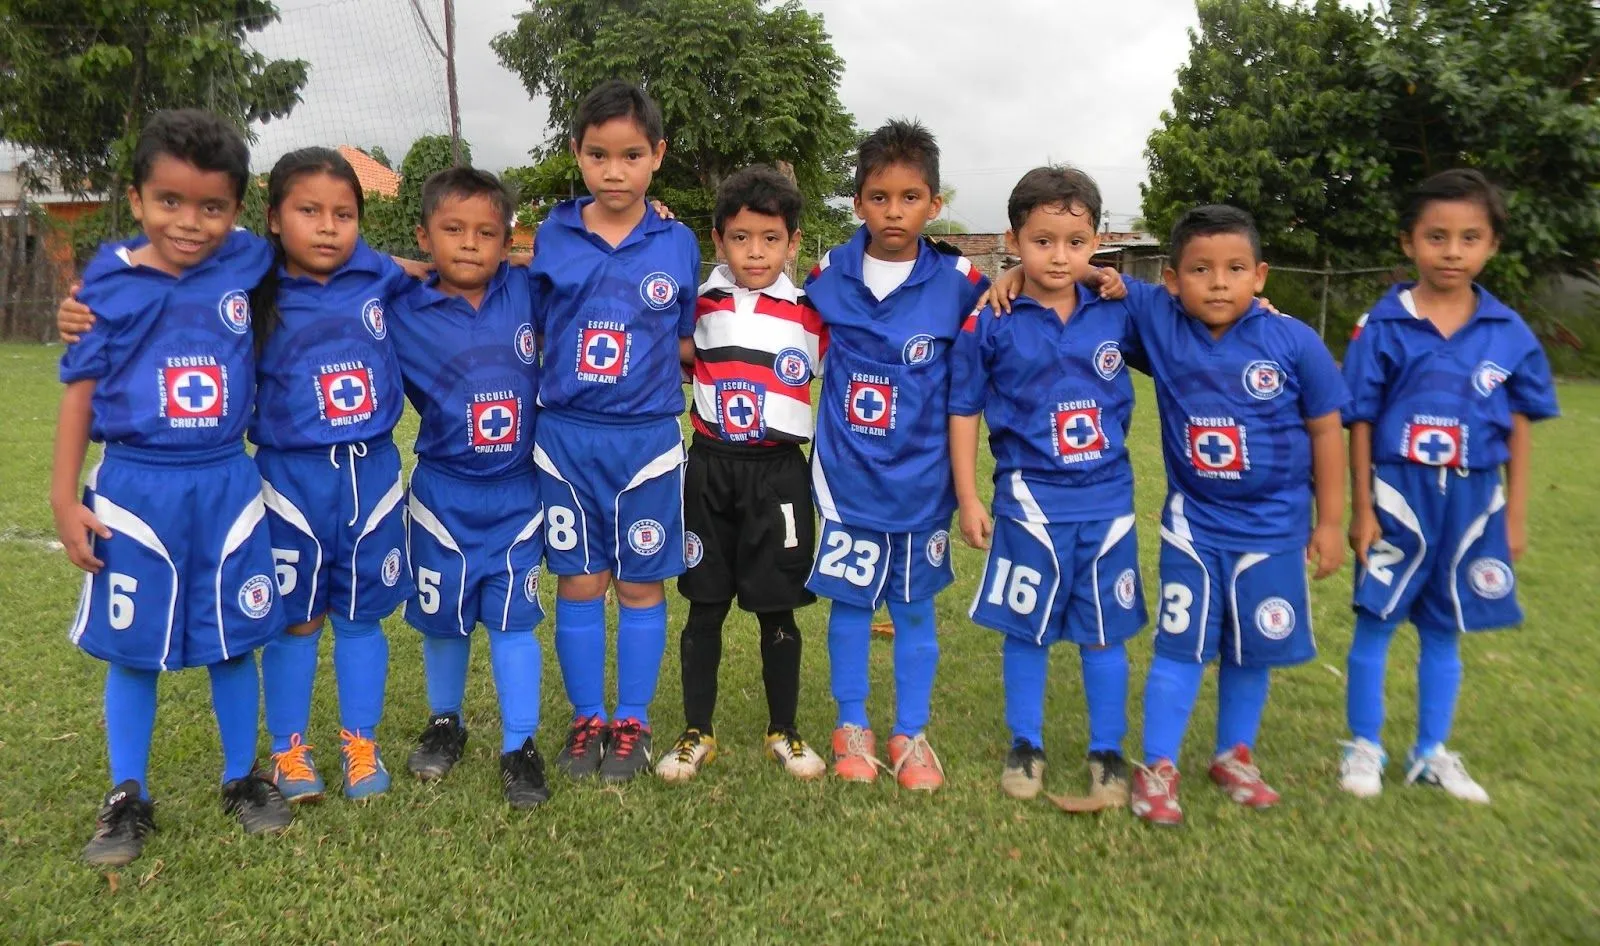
<point x="353" y="450"/>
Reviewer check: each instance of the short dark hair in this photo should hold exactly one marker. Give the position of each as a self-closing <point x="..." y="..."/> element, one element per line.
<point x="462" y="183"/>
<point x="204" y="139"/>
<point x="1053" y="187"/>
<point x="614" y="98"/>
<point x="1456" y="184"/>
<point x="1211" y="220"/>
<point x="761" y="189"/>
<point x="899" y="141"/>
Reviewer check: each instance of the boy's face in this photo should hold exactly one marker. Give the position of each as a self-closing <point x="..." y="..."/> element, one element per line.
<point x="1451" y="243"/>
<point x="1217" y="278"/>
<point x="617" y="161"/>
<point x="896" y="203"/>
<point x="186" y="212"/>
<point x="756" y="247"/>
<point x="467" y="238"/>
<point x="1056" y="245"/>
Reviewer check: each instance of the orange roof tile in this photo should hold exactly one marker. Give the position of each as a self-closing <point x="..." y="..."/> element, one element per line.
<point x="374" y="177"/>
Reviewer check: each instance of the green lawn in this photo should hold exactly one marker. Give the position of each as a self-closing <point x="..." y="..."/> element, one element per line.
<point x="744" y="854"/>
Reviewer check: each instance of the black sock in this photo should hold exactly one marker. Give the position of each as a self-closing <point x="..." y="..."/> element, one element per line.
<point x="780" y="667"/>
<point x="700" y="652"/>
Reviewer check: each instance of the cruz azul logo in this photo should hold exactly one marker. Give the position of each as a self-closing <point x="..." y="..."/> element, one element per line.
<point x="1079" y="437"/>
<point x="234" y="307"/>
<point x="739" y="405"/>
<point x="658" y="290"/>
<point x="603" y="352"/>
<point x="871" y="405"/>
<point x="194" y="391"/>
<point x="1436" y="441"/>
<point x="495" y="420"/>
<point x="1217" y="447"/>
<point x="344" y="393"/>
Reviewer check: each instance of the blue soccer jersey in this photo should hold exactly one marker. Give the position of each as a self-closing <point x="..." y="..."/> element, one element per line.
<point x="1233" y="420"/>
<point x="472" y="374"/>
<point x="1445" y="402"/>
<point x="329" y="373"/>
<point x="1058" y="401"/>
<point x="172" y="356"/>
<point x="882" y="457"/>
<point x="612" y="316"/>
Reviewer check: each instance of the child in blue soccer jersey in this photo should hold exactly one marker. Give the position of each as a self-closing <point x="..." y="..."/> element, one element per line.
<point x="615" y="283"/>
<point x="469" y="361"/>
<point x="1063" y="560"/>
<point x="1445" y="381"/>
<point x="171" y="528"/>
<point x="893" y="305"/>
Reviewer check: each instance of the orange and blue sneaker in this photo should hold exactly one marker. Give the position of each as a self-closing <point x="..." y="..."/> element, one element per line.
<point x="855" y="754"/>
<point x="915" y="766"/>
<point x="295" y="773"/>
<point x="364" y="772"/>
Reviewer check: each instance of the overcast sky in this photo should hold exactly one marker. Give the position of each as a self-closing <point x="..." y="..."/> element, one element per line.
<point x="1005" y="84"/>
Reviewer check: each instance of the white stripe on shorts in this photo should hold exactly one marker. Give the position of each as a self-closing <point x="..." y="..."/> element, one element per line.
<point x="290" y="513"/>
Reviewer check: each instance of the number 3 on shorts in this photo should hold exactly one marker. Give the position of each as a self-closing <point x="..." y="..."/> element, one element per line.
<point x="859" y="572"/>
<point x="1176" y="599"/>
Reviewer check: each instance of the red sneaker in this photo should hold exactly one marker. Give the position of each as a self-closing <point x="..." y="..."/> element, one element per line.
<point x="915" y="766"/>
<point x="1236" y="774"/>
<point x="1155" y="794"/>
<point x="854" y="758"/>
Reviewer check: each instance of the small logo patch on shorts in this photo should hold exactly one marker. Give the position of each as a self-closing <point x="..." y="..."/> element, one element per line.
<point x="1275" y="619"/>
<point x="693" y="549"/>
<point x="1127" y="585"/>
<point x="1490" y="578"/>
<point x="938" y="547"/>
<point x="255" y="597"/>
<point x="530" y="584"/>
<point x="391" y="567"/>
<point x="646" y="536"/>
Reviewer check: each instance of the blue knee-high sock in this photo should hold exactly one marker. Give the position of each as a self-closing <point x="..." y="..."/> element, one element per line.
<point x="1105" y="690"/>
<point x="1169" y="695"/>
<point x="849" y="645"/>
<point x="641" y="642"/>
<point x="288" y="672"/>
<point x="444" y="670"/>
<point x="236" y="699"/>
<point x="515" y="657"/>
<point x="1438" y="682"/>
<point x="581" y="651"/>
<point x="1024" y="666"/>
<point x="130" y="723"/>
<point x="1241" y="699"/>
<point x="916" y="662"/>
<point x="361" y="667"/>
<point x="1364" y="672"/>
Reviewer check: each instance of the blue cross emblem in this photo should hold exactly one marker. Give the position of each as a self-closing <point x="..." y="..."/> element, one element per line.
<point x="868" y="404"/>
<point x="1216" y="448"/>
<point x="196" y="390"/>
<point x="348" y="392"/>
<point x="1080" y="433"/>
<point x="601" y="351"/>
<point x="495" y="422"/>
<point x="1435" y="447"/>
<point x="741" y="411"/>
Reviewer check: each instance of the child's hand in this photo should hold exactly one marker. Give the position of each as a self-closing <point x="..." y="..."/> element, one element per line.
<point x="1111" y="286"/>
<point x="662" y="210"/>
<point x="74" y="522"/>
<point x="520" y="259"/>
<point x="1364" y="531"/>
<point x="1003" y="290"/>
<point x="976" y="526"/>
<point x="416" y="269"/>
<point x="1517" y="534"/>
<point x="73" y="318"/>
<point x="1325" y="552"/>
<point x="1267" y="304"/>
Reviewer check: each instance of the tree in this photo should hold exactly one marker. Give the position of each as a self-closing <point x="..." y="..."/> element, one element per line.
<point x="739" y="82"/>
<point x="427" y="154"/>
<point x="78" y="78"/>
<point x="381" y="156"/>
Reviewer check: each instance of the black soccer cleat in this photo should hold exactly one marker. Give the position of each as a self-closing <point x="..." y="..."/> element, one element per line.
<point x="257" y="803"/>
<point x="120" y="827"/>
<point x="439" y="747"/>
<point x="522" y="776"/>
<point x="580" y="757"/>
<point x="627" y="751"/>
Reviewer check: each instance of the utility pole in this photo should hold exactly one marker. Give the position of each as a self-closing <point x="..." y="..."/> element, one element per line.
<point x="450" y="80"/>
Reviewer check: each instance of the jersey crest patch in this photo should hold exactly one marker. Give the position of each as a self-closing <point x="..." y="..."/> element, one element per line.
<point x="658" y="290"/>
<point x="603" y="353"/>
<point x="1436" y="441"/>
<point x="344" y="394"/>
<point x="530" y="584"/>
<point x="234" y="307"/>
<point x="1079" y="436"/>
<point x="739" y="412"/>
<point x="1127" y="587"/>
<point x="372" y="318"/>
<point x="1108" y="360"/>
<point x="918" y="350"/>
<point x="938" y="547"/>
<point x="1263" y="379"/>
<point x="193" y="395"/>
<point x="870" y="405"/>
<point x="1217" y="447"/>
<point x="526" y="345"/>
<point x="646" y="537"/>
<point x="793" y="367"/>
<point x="496" y="422"/>
<point x="391" y="568"/>
<point x="1488" y="376"/>
<point x="1490" y="578"/>
<point x="1275" y="619"/>
<point x="255" y="597"/>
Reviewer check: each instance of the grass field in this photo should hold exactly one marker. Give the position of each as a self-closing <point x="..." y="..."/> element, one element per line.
<point x="745" y="855"/>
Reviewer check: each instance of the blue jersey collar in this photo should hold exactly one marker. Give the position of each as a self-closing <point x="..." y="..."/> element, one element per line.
<point x="428" y="294"/>
<point x="849" y="256"/>
<point x="569" y="214"/>
<point x="111" y="258"/>
<point x="1085" y="298"/>
<point x="1392" y="307"/>
<point x="364" y="259"/>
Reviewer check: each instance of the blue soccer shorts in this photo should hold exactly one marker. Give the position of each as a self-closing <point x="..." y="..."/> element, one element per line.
<point x="613" y="497"/>
<point x="187" y="580"/>
<point x="1071" y="581"/>
<point x="1445" y="558"/>
<point x="337" y="517"/>
<point x="866" y="568"/>
<point x="475" y="549"/>
<point x="1249" y="608"/>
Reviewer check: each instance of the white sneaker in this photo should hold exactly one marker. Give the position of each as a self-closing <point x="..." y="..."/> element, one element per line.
<point x="798" y="759"/>
<point x="683" y="761"/>
<point x="1443" y="769"/>
<point x="1361" y="768"/>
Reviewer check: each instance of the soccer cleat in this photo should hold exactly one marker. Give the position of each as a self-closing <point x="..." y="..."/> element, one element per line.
<point x="627" y="751"/>
<point x="257" y="803"/>
<point x="522" y="776"/>
<point x="798" y="759"/>
<point x="1155" y="794"/>
<point x="1236" y="774"/>
<point x="854" y="754"/>
<point x="581" y="756"/>
<point x="1023" y="776"/>
<point x="1442" y="768"/>
<point x="119" y="828"/>
<point x="1108" y="785"/>
<point x="439" y="747"/>
<point x="915" y="766"/>
<point x="295" y="772"/>
<point x="683" y="761"/>
<point x="364" y="771"/>
<point x="1361" y="768"/>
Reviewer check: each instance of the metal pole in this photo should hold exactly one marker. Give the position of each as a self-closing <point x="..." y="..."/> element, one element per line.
<point x="1322" y="319"/>
<point x="450" y="80"/>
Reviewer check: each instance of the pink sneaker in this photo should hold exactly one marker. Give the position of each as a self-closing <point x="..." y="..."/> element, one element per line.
<point x="1236" y="774"/>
